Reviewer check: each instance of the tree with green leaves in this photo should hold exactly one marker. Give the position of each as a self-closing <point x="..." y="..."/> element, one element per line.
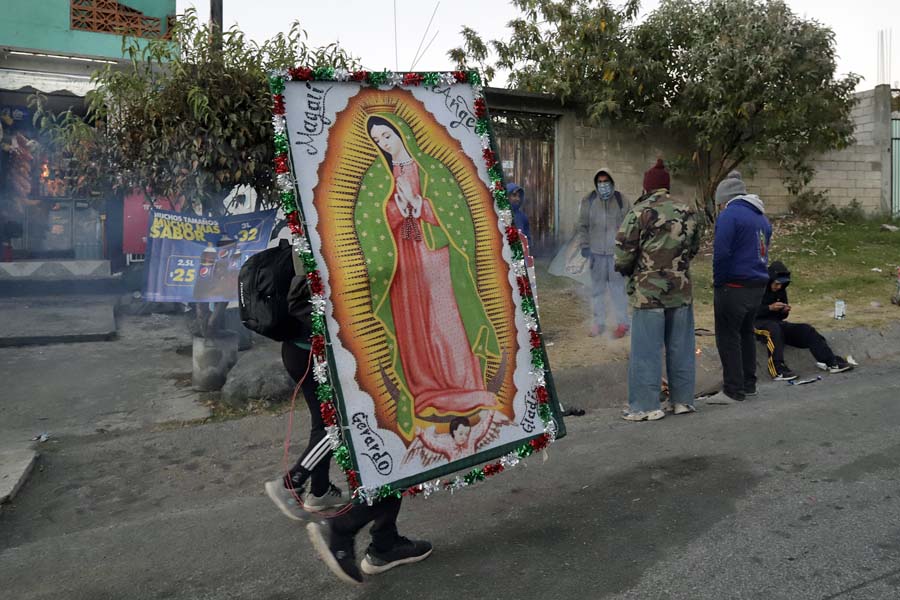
<point x="738" y="80"/>
<point x="188" y="116"/>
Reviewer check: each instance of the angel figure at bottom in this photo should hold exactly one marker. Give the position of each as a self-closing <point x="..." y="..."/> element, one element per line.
<point x="463" y="440"/>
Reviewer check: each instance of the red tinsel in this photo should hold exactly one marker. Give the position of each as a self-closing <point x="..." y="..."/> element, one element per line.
<point x="293" y="220"/>
<point x="492" y="469"/>
<point x="539" y="443"/>
<point x="315" y="282"/>
<point x="498" y="185"/>
<point x="329" y="415"/>
<point x="278" y="104"/>
<point x="460" y="76"/>
<point x="300" y="73"/>
<point x="412" y="79"/>
<point x="480" y="108"/>
<point x="318" y="345"/>
<point x="543" y="396"/>
<point x="413" y="491"/>
<point x="281" y="164"/>
<point x="535" y="339"/>
<point x="512" y="234"/>
<point x="490" y="159"/>
<point x="352" y="479"/>
<point x="524" y="286"/>
<point x="359" y="75"/>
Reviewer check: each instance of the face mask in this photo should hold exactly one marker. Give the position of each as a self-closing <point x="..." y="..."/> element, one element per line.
<point x="605" y="189"/>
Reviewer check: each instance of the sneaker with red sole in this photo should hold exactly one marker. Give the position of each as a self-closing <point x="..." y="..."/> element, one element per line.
<point x="621" y="331"/>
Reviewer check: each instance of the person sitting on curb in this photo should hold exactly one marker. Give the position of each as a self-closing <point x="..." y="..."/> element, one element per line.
<point x="654" y="248"/>
<point x="771" y="327"/>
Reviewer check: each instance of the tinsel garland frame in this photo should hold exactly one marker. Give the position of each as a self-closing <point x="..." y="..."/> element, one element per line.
<point x="322" y="366"/>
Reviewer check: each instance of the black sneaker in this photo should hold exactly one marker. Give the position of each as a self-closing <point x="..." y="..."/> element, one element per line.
<point x="840" y="365"/>
<point x="785" y="374"/>
<point x="336" y="552"/>
<point x="404" y="552"/>
<point x="751" y="391"/>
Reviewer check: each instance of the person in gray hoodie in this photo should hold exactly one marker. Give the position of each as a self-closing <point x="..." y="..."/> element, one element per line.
<point x="599" y="217"/>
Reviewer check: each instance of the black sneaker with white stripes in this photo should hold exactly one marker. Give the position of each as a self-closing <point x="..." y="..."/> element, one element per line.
<point x="404" y="552"/>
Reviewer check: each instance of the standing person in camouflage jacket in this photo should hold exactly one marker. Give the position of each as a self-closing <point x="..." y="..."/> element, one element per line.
<point x="654" y="248"/>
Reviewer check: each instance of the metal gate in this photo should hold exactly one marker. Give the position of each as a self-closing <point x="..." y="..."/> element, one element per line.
<point x="895" y="167"/>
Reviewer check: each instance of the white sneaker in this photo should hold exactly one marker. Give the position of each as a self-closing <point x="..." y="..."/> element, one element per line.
<point x="666" y="406"/>
<point x="333" y="498"/>
<point x="720" y="398"/>
<point x="285" y="500"/>
<point x="684" y="409"/>
<point x="644" y="415"/>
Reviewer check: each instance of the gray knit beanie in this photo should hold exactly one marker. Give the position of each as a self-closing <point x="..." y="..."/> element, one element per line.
<point x="730" y="187"/>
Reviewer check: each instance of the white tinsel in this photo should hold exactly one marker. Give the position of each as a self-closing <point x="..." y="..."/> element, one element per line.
<point x="520" y="268"/>
<point x="318" y="302"/>
<point x="550" y="428"/>
<point x="506" y="217"/>
<point x="531" y="322"/>
<point x="430" y="487"/>
<point x="320" y="371"/>
<point x="510" y="460"/>
<point x="301" y="245"/>
<point x="476" y="89"/>
<point x="341" y="75"/>
<point x="447" y="78"/>
<point x="283" y="73"/>
<point x="285" y="182"/>
<point x="333" y="433"/>
<point x="368" y="495"/>
<point x="394" y="79"/>
<point x="485" y="141"/>
<point x="540" y="378"/>
<point x="458" y="483"/>
<point x="278" y="123"/>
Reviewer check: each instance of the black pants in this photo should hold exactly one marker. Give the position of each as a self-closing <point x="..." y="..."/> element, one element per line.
<point x="800" y="335"/>
<point x="735" y="309"/>
<point x="383" y="517"/>
<point x="315" y="460"/>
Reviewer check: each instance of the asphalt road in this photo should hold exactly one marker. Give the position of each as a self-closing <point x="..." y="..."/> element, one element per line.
<point x="791" y="495"/>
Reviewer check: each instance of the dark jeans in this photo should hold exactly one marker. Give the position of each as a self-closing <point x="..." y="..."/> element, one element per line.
<point x="799" y="335"/>
<point x="735" y="310"/>
<point x="382" y="515"/>
<point x="314" y="461"/>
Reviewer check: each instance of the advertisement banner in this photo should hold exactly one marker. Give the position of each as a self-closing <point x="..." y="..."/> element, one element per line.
<point x="197" y="259"/>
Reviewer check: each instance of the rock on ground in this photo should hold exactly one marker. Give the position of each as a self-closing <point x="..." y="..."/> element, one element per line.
<point x="258" y="375"/>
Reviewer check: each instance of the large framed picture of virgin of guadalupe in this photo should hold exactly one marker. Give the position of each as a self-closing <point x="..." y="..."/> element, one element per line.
<point x="427" y="348"/>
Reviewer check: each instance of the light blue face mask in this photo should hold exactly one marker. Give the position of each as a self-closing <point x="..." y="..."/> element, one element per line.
<point x="605" y="189"/>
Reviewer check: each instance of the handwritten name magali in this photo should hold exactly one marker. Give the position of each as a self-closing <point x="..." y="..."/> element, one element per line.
<point x="314" y="119"/>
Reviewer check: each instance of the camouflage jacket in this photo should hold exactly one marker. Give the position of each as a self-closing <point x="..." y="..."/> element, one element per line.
<point x="654" y="248"/>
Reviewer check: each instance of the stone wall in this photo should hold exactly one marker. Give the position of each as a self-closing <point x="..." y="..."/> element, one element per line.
<point x="860" y="172"/>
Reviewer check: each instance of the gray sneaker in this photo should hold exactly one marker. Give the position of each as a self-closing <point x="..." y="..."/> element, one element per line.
<point x="683" y="409"/>
<point x="333" y="498"/>
<point x="644" y="415"/>
<point x="285" y="500"/>
<point x="721" y="398"/>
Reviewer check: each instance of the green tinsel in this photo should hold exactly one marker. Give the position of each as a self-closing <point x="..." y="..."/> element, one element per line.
<point x="276" y="84"/>
<point x="318" y="324"/>
<point x="482" y="126"/>
<point x="537" y="361"/>
<point x="474" y="78"/>
<point x="528" y="306"/>
<point x="517" y="252"/>
<point x="545" y="412"/>
<point x="324" y="73"/>
<point x="495" y="172"/>
<point x="324" y="392"/>
<point x="287" y="202"/>
<point x="525" y="451"/>
<point x="342" y="457"/>
<point x="378" y="78"/>
<point x="431" y="79"/>
<point x="473" y="476"/>
<point x="309" y="262"/>
<point x="503" y="204"/>
<point x="387" y="491"/>
<point x="500" y="196"/>
<point x="281" y="143"/>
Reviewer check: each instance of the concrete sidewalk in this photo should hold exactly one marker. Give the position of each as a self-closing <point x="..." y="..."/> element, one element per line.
<point x="16" y="463"/>
<point x="57" y="319"/>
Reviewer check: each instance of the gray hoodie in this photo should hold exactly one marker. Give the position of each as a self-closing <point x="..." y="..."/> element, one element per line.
<point x="599" y="220"/>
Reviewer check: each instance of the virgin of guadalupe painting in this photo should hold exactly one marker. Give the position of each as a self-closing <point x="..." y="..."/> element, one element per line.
<point x="429" y="349"/>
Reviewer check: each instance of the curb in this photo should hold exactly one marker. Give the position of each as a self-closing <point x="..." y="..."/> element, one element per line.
<point x="15" y="467"/>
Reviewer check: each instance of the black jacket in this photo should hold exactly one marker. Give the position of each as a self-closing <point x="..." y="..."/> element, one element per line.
<point x="776" y="269"/>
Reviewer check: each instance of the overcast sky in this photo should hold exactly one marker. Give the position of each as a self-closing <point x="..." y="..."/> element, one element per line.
<point x="366" y="27"/>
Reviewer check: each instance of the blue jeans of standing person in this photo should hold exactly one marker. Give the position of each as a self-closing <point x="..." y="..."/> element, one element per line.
<point x="653" y="329"/>
<point x="603" y="278"/>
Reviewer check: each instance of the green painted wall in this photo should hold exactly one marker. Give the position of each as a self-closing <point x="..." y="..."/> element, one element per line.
<point x="43" y="25"/>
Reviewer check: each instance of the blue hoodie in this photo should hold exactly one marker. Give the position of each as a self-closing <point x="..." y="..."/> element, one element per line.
<point x="741" y="248"/>
<point x="519" y="217"/>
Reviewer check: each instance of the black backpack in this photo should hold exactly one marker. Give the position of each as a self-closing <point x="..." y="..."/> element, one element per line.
<point x="274" y="301"/>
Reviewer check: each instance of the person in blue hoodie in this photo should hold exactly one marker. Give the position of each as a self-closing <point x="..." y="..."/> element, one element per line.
<point x="516" y="196"/>
<point x="740" y="277"/>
